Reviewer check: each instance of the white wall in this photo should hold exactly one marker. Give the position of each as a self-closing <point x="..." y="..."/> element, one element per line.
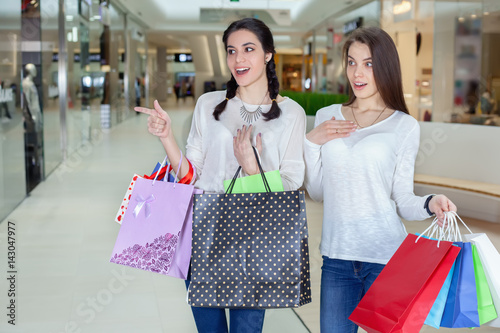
<point x="462" y="151"/>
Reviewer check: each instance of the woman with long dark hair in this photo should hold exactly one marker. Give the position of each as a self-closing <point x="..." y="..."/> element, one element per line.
<point x="225" y="126"/>
<point x="360" y="160"/>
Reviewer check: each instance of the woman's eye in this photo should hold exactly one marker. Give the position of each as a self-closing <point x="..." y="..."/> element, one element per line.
<point x="230" y="51"/>
<point x="249" y="49"/>
<point x="350" y="63"/>
<point x="369" y="64"/>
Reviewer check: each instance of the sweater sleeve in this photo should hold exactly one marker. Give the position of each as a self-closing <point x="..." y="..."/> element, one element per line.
<point x="292" y="165"/>
<point x="314" y="168"/>
<point x="410" y="207"/>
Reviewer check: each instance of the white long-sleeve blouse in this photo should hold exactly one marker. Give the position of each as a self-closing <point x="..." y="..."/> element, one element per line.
<point x="210" y="142"/>
<point x="366" y="183"/>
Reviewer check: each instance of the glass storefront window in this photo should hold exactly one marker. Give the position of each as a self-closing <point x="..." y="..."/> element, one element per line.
<point x="135" y="66"/>
<point x="97" y="38"/>
<point x="466" y="74"/>
<point x="12" y="158"/>
<point x="115" y="74"/>
<point x="292" y="72"/>
<point x="50" y="92"/>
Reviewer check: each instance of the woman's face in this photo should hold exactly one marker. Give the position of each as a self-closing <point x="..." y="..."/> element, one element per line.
<point x="360" y="71"/>
<point x="246" y="58"/>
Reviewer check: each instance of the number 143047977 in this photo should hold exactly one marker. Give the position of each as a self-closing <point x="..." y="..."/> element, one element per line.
<point x="11" y="246"/>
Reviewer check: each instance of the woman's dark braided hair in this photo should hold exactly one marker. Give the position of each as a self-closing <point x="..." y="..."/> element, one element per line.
<point x="261" y="30"/>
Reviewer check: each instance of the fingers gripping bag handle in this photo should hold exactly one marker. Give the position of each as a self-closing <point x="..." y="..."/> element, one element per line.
<point x="264" y="179"/>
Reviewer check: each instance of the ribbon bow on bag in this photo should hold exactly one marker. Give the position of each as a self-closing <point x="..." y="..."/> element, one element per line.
<point x="141" y="202"/>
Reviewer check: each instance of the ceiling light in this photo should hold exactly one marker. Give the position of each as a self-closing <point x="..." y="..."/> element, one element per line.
<point x="75" y="34"/>
<point x="403" y="7"/>
<point x="282" y="38"/>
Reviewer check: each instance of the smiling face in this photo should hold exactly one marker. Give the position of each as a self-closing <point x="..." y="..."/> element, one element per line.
<point x="246" y="58"/>
<point x="359" y="71"/>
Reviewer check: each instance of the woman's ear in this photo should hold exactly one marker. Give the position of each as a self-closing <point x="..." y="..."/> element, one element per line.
<point x="268" y="57"/>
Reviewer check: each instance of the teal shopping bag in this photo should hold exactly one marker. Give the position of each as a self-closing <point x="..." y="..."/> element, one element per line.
<point x="436" y="314"/>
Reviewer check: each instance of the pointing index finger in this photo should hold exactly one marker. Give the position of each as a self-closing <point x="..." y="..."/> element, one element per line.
<point x="141" y="109"/>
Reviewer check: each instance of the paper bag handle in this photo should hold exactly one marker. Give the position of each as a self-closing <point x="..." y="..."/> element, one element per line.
<point x="163" y="164"/>
<point x="264" y="179"/>
<point x="448" y="232"/>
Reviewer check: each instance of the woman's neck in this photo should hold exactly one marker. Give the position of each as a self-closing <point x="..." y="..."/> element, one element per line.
<point x="375" y="103"/>
<point x="254" y="94"/>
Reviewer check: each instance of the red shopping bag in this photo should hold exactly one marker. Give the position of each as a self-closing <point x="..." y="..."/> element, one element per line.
<point x="403" y="294"/>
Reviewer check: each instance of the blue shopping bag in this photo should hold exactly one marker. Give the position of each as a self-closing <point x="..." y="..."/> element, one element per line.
<point x="461" y="304"/>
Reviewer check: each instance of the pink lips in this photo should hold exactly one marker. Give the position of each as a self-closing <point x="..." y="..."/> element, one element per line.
<point x="359" y="87"/>
<point x="242" y="71"/>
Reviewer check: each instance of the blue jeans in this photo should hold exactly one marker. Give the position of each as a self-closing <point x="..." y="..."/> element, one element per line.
<point x="343" y="284"/>
<point x="213" y="320"/>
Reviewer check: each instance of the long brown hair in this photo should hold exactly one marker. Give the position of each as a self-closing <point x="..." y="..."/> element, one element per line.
<point x="263" y="33"/>
<point x="386" y="65"/>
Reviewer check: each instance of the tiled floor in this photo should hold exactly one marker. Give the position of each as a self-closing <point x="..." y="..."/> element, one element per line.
<point x="64" y="235"/>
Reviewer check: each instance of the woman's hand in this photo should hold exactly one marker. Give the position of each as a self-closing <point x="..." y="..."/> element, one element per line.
<point x="329" y="130"/>
<point x="159" y="122"/>
<point x="243" y="151"/>
<point x="440" y="204"/>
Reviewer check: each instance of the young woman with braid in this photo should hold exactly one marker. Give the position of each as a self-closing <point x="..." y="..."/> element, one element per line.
<point x="360" y="160"/>
<point x="225" y="126"/>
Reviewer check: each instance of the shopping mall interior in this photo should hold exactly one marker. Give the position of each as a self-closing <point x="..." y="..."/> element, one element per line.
<point x="71" y="72"/>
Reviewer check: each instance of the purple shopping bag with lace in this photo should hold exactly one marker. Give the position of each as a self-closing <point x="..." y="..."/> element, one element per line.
<point x="156" y="231"/>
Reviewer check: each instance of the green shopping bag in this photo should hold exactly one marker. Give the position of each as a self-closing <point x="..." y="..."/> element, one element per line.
<point x="255" y="183"/>
<point x="485" y="305"/>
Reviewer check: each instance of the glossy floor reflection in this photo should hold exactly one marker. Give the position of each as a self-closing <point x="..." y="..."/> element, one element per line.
<point x="64" y="236"/>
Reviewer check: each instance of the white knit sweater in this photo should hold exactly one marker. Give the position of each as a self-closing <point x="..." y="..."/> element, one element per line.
<point x="366" y="183"/>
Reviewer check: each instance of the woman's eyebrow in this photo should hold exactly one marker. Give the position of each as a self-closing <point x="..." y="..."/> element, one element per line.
<point x="369" y="58"/>
<point x="246" y="44"/>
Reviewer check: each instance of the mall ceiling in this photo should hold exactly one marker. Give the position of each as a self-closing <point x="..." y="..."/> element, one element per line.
<point x="169" y="22"/>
